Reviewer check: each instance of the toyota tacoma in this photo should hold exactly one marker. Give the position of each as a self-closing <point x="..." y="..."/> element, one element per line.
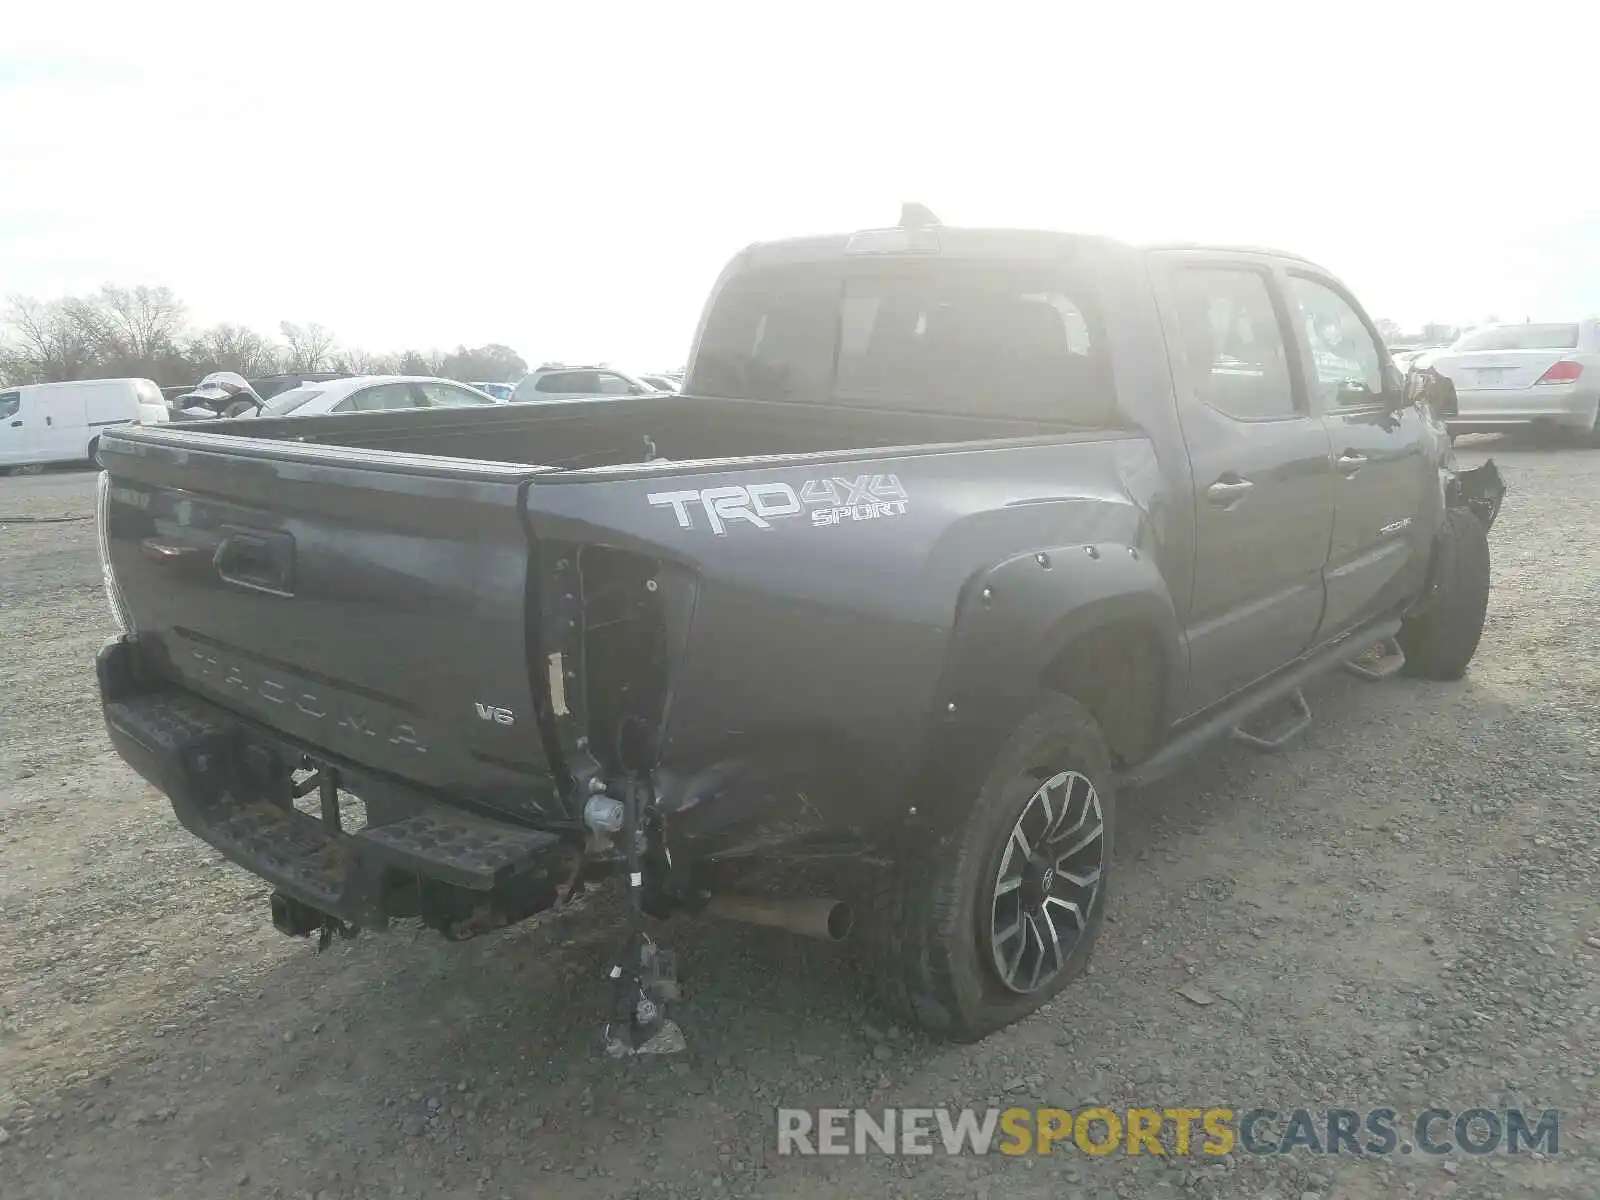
<point x="951" y="536"/>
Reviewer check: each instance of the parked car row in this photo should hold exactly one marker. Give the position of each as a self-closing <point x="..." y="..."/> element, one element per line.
<point x="370" y="393"/>
<point x="48" y="423"/>
<point x="1540" y="374"/>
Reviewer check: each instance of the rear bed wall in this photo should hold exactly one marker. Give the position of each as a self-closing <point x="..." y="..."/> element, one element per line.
<point x="600" y="432"/>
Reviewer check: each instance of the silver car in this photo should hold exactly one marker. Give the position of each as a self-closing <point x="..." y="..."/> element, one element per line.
<point x="1544" y="374"/>
<point x="561" y="382"/>
<point x="371" y="393"/>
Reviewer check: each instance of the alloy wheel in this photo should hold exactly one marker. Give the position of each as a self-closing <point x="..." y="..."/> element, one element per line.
<point x="1048" y="882"/>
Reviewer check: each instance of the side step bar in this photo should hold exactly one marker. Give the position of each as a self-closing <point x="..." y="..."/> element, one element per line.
<point x="1233" y="715"/>
<point x="1279" y="739"/>
<point x="1381" y="666"/>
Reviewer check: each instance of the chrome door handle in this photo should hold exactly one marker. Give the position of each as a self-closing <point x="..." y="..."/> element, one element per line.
<point x="1350" y="462"/>
<point x="1225" y="492"/>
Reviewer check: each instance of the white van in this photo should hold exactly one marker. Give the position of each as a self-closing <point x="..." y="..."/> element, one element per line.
<point x="61" y="422"/>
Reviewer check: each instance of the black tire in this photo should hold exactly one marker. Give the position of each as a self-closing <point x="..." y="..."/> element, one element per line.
<point x="928" y="928"/>
<point x="1591" y="436"/>
<point x="1440" y="641"/>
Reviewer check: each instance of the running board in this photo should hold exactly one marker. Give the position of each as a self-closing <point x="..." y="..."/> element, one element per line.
<point x="1279" y="739"/>
<point x="1382" y="666"/>
<point x="1237" y="712"/>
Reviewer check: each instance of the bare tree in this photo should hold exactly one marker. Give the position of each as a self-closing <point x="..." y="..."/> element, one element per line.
<point x="232" y="348"/>
<point x="416" y="362"/>
<point x="14" y="368"/>
<point x="141" y="331"/>
<point x="360" y="362"/>
<point x="141" y="323"/>
<point x="309" y="346"/>
<point x="56" y="340"/>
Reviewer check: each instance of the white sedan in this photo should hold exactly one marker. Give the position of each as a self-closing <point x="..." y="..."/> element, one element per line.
<point x="371" y="393"/>
<point x="1543" y="374"/>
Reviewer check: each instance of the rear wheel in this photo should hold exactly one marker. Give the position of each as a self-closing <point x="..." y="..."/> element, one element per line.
<point x="1002" y="909"/>
<point x="1440" y="641"/>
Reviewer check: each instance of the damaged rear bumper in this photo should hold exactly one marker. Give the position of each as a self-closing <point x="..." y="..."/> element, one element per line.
<point x="228" y="782"/>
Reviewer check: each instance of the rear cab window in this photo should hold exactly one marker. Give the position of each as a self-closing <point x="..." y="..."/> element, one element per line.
<point x="959" y="336"/>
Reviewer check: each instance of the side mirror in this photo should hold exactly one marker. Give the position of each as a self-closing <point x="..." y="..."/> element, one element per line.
<point x="1354" y="393"/>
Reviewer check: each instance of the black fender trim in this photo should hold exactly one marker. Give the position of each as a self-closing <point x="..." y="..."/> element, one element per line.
<point x="1013" y="622"/>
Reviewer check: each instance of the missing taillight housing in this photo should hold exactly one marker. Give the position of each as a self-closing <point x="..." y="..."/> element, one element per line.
<point x="1564" y="371"/>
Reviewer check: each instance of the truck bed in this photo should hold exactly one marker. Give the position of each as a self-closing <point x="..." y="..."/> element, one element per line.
<point x="485" y="604"/>
<point x="613" y="431"/>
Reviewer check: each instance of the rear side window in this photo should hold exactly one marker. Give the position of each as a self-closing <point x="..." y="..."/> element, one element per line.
<point x="941" y="336"/>
<point x="569" y="381"/>
<point x="375" y="399"/>
<point x="1233" y="343"/>
<point x="10" y="403"/>
<point x="287" y="402"/>
<point x="442" y="395"/>
<point x="1521" y="337"/>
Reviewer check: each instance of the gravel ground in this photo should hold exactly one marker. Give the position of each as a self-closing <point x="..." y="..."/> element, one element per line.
<point x="1403" y="910"/>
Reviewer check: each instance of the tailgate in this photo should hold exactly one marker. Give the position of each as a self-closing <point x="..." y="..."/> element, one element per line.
<point x="369" y="604"/>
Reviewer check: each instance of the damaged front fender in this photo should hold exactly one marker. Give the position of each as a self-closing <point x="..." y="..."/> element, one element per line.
<point x="1480" y="489"/>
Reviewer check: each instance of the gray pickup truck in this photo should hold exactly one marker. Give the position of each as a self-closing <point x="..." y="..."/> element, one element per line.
<point x="950" y="536"/>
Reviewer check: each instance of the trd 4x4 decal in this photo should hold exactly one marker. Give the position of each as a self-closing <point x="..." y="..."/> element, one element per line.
<point x="834" y="501"/>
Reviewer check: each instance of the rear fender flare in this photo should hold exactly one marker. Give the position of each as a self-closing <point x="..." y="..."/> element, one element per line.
<point x="1013" y="621"/>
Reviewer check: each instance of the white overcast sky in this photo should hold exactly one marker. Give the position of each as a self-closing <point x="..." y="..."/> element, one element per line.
<point x="569" y="178"/>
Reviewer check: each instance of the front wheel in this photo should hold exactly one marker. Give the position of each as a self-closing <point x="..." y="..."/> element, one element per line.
<point x="1590" y="437"/>
<point x="1440" y="641"/>
<point x="1002" y="908"/>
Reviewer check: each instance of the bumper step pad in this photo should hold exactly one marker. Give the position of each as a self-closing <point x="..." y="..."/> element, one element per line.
<point x="455" y="847"/>
<point x="194" y="752"/>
